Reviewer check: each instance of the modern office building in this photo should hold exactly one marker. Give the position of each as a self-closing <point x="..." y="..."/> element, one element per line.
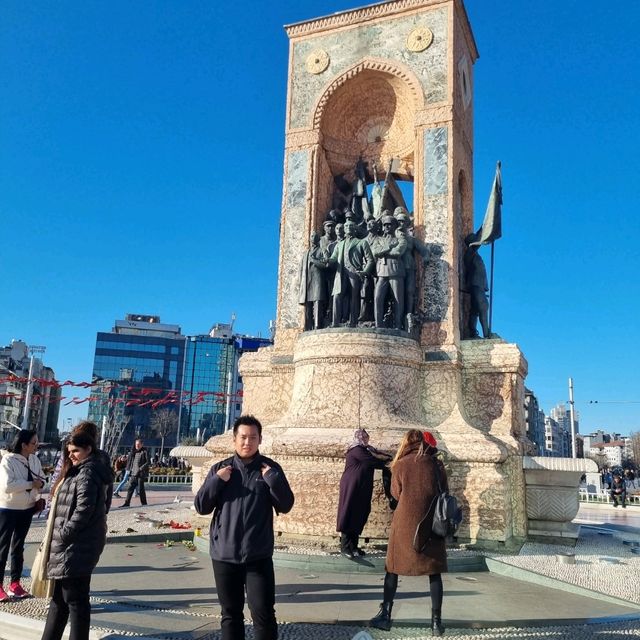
<point x="208" y="383"/>
<point x="212" y="388"/>
<point x="562" y="416"/>
<point x="144" y="368"/>
<point x="25" y="382"/>
<point x="136" y="366"/>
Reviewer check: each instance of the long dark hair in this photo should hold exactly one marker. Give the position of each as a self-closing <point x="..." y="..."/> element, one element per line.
<point x="77" y="439"/>
<point x="24" y="436"/>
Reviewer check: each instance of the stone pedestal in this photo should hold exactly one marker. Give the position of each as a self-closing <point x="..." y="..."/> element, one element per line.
<point x="340" y="380"/>
<point x="390" y="85"/>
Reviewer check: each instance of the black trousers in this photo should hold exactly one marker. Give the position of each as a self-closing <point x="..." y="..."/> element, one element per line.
<point x="70" y="602"/>
<point x="435" y="589"/>
<point x="136" y="481"/>
<point x="259" y="580"/>
<point x="349" y="541"/>
<point x="14" y="526"/>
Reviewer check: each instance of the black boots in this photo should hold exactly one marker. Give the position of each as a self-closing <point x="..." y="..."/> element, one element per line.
<point x="383" y="619"/>
<point x="437" y="628"/>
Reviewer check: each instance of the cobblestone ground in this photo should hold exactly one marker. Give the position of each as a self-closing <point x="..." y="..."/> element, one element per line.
<point x="605" y="563"/>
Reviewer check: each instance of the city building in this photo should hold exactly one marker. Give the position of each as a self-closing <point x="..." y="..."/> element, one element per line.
<point x="26" y="382"/>
<point x="562" y="415"/>
<point x="212" y="388"/>
<point x="553" y="438"/>
<point x="534" y="419"/>
<point x="154" y="382"/>
<point x="615" y="452"/>
<point x="136" y="366"/>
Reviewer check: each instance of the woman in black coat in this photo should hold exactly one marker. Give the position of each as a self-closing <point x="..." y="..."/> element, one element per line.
<point x="79" y="536"/>
<point x="356" y="489"/>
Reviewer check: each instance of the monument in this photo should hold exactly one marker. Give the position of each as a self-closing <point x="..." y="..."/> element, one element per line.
<point x="379" y="96"/>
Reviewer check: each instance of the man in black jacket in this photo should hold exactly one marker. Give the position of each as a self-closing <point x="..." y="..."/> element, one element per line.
<point x="138" y="467"/>
<point x="243" y="491"/>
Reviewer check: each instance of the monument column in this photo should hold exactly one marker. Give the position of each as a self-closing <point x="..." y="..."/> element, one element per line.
<point x="387" y="86"/>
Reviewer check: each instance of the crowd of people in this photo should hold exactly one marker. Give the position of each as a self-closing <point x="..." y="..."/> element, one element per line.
<point x="618" y="482"/>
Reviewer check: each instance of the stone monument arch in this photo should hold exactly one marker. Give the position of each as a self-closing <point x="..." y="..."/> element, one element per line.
<point x="369" y="112"/>
<point x="391" y="80"/>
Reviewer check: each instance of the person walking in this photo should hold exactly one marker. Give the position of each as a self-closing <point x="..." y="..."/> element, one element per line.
<point x="242" y="492"/>
<point x="83" y="495"/>
<point x="416" y="472"/>
<point x="21" y="478"/>
<point x="138" y="467"/>
<point x="122" y="474"/>
<point x="356" y="489"/>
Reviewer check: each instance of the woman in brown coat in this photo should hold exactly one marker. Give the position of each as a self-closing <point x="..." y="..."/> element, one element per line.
<point x="415" y="485"/>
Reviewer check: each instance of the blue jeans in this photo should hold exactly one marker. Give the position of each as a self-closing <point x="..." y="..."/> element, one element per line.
<point x="125" y="477"/>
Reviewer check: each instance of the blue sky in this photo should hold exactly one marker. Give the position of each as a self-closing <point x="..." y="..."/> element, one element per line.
<point x="141" y="148"/>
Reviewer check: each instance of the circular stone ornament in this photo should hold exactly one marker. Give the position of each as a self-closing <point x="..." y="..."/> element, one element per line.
<point x="317" y="61"/>
<point x="419" y="39"/>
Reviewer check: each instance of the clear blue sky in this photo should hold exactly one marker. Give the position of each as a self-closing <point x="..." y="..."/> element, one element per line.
<point x="141" y="148"/>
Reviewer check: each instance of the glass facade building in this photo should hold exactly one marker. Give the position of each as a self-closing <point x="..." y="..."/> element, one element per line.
<point x="143" y="366"/>
<point x="210" y="366"/>
<point x="134" y="367"/>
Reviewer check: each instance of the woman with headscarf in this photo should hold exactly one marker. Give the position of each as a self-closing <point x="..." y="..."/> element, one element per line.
<point x="82" y="496"/>
<point x="417" y="474"/>
<point x="356" y="489"/>
<point x="21" y="478"/>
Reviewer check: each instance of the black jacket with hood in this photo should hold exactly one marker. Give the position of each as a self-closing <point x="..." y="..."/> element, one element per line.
<point x="80" y="524"/>
<point x="242" y="524"/>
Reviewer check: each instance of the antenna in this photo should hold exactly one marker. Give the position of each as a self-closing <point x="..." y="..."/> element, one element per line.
<point x="233" y="319"/>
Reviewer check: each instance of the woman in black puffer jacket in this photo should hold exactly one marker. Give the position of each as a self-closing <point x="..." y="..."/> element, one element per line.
<point x="79" y="536"/>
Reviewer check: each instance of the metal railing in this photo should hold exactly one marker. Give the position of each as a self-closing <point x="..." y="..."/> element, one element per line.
<point x="169" y="479"/>
<point x="601" y="496"/>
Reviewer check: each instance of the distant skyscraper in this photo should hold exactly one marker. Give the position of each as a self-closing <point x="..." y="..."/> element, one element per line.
<point x="212" y="389"/>
<point x="209" y="369"/>
<point x="561" y="414"/>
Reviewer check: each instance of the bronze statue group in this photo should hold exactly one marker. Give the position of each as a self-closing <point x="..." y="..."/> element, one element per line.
<point x="362" y="272"/>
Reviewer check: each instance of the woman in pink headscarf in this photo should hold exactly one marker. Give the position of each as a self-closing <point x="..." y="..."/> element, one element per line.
<point x="356" y="489"/>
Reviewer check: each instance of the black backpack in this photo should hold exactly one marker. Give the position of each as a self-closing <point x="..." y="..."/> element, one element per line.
<point x="447" y="516"/>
